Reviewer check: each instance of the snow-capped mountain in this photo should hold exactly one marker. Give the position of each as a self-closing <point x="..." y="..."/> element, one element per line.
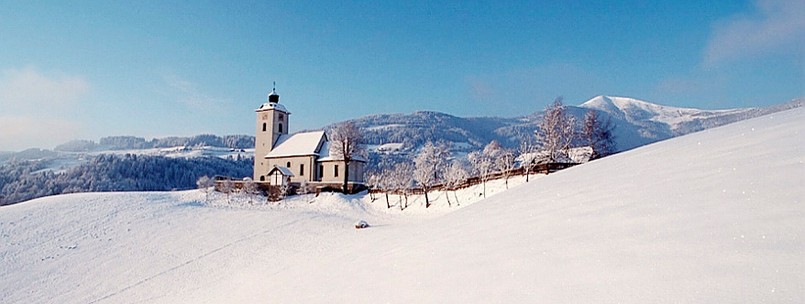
<point x="637" y="123"/>
<point x="640" y="122"/>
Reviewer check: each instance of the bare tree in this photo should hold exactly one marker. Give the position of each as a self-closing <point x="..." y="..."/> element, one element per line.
<point x="454" y="176"/>
<point x="429" y="166"/>
<point x="204" y="183"/>
<point x="386" y="183"/>
<point x="345" y="144"/>
<point x="597" y="134"/>
<point x="227" y="186"/>
<point x="527" y="155"/>
<point x="556" y="131"/>
<point x="372" y="180"/>
<point x="249" y="189"/>
<point x="403" y="180"/>
<point x="303" y="191"/>
<point x="505" y="163"/>
<point x="483" y="162"/>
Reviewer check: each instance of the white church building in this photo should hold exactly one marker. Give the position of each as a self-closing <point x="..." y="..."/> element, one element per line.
<point x="281" y="158"/>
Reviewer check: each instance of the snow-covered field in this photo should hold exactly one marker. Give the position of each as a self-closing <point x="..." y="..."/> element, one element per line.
<point x="712" y="217"/>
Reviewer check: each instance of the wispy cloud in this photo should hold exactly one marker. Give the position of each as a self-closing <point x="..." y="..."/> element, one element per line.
<point x="23" y="132"/>
<point x="188" y="93"/>
<point x="778" y="26"/>
<point x="27" y="88"/>
<point x="34" y="105"/>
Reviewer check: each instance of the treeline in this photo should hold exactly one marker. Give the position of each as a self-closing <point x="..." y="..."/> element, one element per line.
<point x="25" y="180"/>
<point x="132" y="142"/>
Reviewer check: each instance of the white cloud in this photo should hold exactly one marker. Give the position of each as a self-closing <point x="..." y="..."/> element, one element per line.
<point x="777" y="27"/>
<point x="34" y="108"/>
<point x="28" y="89"/>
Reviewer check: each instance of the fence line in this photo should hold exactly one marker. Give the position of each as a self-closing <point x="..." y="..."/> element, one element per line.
<point x="476" y="180"/>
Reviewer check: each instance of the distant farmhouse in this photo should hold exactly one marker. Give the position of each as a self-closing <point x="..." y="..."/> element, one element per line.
<point x="280" y="158"/>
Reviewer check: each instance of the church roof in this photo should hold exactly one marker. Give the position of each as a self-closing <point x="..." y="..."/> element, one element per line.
<point x="283" y="170"/>
<point x="298" y="144"/>
<point x="274" y="106"/>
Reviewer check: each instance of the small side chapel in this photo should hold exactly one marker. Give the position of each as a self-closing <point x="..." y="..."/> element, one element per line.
<point x="281" y="158"/>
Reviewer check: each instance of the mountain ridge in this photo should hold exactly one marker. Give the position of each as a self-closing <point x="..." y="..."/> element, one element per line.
<point x="637" y="122"/>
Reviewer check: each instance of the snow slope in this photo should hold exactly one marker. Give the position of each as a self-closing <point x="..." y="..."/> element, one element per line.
<point x="714" y="216"/>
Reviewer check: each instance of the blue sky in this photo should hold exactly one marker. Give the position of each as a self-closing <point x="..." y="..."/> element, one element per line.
<point x="91" y="69"/>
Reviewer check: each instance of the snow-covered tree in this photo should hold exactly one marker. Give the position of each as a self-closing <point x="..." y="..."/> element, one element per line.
<point x="556" y="131"/>
<point x="345" y="144"/>
<point x="227" y="186"/>
<point x="597" y="134"/>
<point x="505" y="162"/>
<point x="483" y="162"/>
<point x="403" y="179"/>
<point x="303" y="191"/>
<point x="372" y="179"/>
<point x="429" y="166"/>
<point x="249" y="189"/>
<point x="527" y="154"/>
<point x="385" y="177"/>
<point x="454" y="176"/>
<point x="204" y="183"/>
<point x="385" y="183"/>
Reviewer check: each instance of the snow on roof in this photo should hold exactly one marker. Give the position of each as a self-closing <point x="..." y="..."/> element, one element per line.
<point x="283" y="170"/>
<point x="273" y="106"/>
<point x="324" y="154"/>
<point x="298" y="144"/>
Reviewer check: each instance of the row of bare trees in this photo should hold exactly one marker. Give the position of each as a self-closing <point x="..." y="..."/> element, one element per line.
<point x="556" y="134"/>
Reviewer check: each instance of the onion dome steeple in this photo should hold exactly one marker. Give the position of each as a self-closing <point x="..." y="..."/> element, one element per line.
<point x="273" y="97"/>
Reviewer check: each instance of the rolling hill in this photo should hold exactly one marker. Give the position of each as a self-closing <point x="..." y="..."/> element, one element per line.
<point x="715" y="216"/>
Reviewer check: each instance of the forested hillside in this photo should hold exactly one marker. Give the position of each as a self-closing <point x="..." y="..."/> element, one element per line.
<point x="24" y="180"/>
<point x="133" y="142"/>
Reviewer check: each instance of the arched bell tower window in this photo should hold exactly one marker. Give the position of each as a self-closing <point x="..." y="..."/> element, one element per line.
<point x="280" y="128"/>
<point x="264" y="127"/>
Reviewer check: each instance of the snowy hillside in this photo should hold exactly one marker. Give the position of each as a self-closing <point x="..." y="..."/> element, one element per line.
<point x="114" y="165"/>
<point x="711" y="217"/>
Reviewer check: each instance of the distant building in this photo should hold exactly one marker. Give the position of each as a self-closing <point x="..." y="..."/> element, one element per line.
<point x="281" y="158"/>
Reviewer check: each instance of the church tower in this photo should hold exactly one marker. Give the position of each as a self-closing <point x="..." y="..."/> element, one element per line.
<point x="272" y="121"/>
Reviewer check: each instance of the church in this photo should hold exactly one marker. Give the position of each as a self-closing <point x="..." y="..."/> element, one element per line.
<point x="281" y="158"/>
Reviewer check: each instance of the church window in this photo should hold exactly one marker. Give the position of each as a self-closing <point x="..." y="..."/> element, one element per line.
<point x="321" y="171"/>
<point x="288" y="165"/>
<point x="280" y="128"/>
<point x="264" y="127"/>
<point x="262" y="178"/>
<point x="335" y="171"/>
<point x="301" y="169"/>
<point x="282" y="117"/>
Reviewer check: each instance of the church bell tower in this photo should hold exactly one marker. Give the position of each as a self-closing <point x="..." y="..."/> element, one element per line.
<point x="272" y="122"/>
